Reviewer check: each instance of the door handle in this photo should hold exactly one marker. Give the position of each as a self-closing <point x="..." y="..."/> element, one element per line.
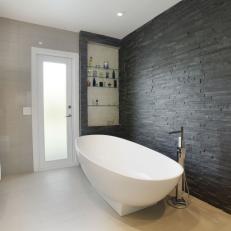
<point x="69" y="115"/>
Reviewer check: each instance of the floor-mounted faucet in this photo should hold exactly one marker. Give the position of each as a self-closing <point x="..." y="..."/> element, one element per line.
<point x="178" y="201"/>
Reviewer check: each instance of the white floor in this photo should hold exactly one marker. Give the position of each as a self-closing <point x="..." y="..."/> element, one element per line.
<point x="63" y="200"/>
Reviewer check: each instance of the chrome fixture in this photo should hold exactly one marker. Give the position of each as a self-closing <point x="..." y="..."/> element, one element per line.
<point x="178" y="201"/>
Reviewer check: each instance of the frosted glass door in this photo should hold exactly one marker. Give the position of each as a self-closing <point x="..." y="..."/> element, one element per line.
<point x="55" y="111"/>
<point x="55" y="104"/>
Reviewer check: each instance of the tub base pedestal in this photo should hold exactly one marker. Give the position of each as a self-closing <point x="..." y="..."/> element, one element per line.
<point x="121" y="209"/>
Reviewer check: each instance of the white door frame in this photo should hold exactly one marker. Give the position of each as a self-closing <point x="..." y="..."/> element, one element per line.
<point x="35" y="52"/>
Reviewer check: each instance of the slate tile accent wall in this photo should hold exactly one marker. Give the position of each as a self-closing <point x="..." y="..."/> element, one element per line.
<point x="84" y="39"/>
<point x="176" y="71"/>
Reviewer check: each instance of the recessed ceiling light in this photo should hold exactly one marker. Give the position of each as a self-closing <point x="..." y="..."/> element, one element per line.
<point x="120" y="14"/>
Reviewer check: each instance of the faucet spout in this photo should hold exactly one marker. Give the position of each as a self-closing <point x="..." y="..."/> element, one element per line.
<point x="181" y="131"/>
<point x="174" y="132"/>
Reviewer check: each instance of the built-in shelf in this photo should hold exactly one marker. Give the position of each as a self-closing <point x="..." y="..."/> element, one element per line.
<point x="102" y="68"/>
<point x="103" y="105"/>
<point x="102" y="87"/>
<point x="103" y="100"/>
<point x="99" y="77"/>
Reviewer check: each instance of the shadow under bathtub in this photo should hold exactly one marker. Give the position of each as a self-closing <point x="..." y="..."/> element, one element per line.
<point x="161" y="217"/>
<point x="143" y="219"/>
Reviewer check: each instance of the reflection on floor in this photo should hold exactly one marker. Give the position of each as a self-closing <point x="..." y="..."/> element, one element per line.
<point x="63" y="200"/>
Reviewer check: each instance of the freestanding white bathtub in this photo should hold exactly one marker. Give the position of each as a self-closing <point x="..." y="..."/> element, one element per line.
<point x="127" y="175"/>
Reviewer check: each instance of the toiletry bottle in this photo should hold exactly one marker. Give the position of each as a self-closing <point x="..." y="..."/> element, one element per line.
<point x="115" y="83"/>
<point x="105" y="65"/>
<point x="89" y="72"/>
<point x="90" y="63"/>
<point x="113" y="74"/>
<point x="94" y="82"/>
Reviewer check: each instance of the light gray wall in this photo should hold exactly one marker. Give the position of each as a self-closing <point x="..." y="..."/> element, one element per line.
<point x="16" y="40"/>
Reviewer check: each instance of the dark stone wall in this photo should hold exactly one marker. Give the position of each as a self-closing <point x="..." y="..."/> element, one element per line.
<point x="84" y="39"/>
<point x="176" y="71"/>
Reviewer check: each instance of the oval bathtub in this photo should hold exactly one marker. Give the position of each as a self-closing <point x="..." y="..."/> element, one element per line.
<point x="127" y="175"/>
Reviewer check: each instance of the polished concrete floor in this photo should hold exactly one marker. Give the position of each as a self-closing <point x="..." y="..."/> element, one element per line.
<point x="63" y="200"/>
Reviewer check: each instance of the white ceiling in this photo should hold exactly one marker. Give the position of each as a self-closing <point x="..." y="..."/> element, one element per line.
<point x="97" y="16"/>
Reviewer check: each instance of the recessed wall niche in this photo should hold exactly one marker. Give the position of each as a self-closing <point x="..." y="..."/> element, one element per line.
<point x="102" y="85"/>
<point x="86" y="38"/>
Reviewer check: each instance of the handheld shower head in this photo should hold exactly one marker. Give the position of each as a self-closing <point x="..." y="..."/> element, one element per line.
<point x="181" y="138"/>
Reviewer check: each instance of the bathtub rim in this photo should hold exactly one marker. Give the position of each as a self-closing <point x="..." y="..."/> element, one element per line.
<point x="124" y="175"/>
